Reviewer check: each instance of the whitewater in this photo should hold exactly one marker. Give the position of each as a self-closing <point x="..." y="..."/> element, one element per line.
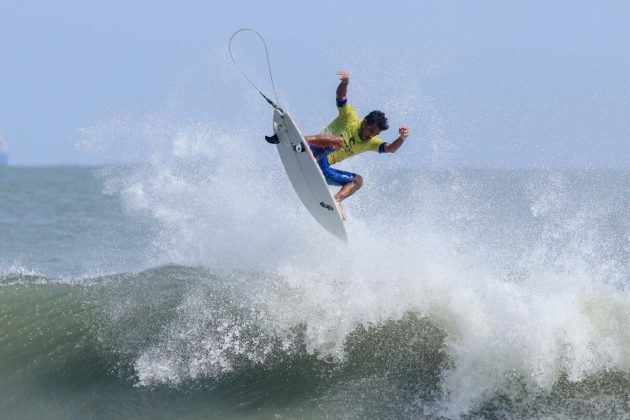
<point x="469" y="293"/>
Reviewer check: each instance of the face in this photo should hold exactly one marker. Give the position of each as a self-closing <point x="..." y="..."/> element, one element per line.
<point x="367" y="131"/>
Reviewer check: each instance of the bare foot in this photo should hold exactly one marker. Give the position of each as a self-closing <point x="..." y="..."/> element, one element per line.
<point x="343" y="214"/>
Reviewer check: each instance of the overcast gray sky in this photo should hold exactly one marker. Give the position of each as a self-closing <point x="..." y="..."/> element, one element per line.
<point x="488" y="83"/>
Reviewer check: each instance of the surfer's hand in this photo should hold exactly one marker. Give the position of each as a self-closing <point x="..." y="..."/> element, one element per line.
<point x="404" y="132"/>
<point x="344" y="76"/>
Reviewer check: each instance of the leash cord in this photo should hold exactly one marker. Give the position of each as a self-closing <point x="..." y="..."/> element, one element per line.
<point x="272" y="103"/>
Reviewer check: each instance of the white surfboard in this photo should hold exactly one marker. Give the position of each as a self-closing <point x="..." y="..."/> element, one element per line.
<point x="305" y="176"/>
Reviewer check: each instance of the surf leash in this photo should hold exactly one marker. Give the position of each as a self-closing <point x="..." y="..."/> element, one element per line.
<point x="272" y="103"/>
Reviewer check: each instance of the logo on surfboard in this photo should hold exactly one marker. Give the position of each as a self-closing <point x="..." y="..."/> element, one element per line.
<point x="326" y="206"/>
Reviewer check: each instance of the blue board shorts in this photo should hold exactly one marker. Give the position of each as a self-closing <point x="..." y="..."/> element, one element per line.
<point x="333" y="176"/>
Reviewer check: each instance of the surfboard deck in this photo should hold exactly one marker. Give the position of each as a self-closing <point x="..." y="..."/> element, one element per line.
<point x="305" y="176"/>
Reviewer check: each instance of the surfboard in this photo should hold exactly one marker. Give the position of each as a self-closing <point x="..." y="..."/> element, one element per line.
<point x="305" y="176"/>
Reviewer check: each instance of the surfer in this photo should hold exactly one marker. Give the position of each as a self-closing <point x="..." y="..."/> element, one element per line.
<point x="347" y="136"/>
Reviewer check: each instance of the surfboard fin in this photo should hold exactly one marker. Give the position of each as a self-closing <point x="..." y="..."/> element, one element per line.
<point x="273" y="139"/>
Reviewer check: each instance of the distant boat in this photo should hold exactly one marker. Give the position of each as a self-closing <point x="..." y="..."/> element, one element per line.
<point x="4" y="152"/>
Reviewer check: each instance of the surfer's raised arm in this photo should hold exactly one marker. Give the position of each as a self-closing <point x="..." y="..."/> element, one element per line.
<point x="342" y="89"/>
<point x="395" y="145"/>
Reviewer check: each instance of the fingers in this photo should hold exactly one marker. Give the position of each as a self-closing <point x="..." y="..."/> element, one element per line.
<point x="343" y="75"/>
<point x="404" y="132"/>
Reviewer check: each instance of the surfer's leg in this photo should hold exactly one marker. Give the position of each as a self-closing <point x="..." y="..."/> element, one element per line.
<point x="348" y="181"/>
<point x="319" y="153"/>
<point x="346" y="191"/>
<point x="350" y="188"/>
<point x="341" y="212"/>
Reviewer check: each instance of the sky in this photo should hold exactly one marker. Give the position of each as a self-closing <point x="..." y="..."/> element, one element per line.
<point x="480" y="84"/>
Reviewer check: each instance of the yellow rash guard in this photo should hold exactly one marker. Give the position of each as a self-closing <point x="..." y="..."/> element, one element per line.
<point x="347" y="125"/>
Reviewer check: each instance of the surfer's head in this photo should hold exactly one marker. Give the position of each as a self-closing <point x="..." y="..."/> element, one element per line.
<point x="372" y="125"/>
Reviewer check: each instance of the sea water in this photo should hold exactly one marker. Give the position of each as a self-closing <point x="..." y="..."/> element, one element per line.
<point x="198" y="287"/>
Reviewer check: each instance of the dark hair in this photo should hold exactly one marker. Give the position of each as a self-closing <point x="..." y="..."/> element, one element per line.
<point x="377" y="118"/>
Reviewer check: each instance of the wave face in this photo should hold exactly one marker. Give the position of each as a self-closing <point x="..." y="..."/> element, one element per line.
<point x="470" y="293"/>
<point x="178" y="341"/>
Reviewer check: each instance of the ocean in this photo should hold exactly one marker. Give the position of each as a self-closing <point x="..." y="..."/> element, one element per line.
<point x="201" y="288"/>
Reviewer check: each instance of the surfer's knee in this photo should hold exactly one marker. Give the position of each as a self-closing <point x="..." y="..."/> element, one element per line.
<point x="358" y="181"/>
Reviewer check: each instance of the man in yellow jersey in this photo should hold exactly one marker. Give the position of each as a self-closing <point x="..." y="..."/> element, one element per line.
<point x="348" y="136"/>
